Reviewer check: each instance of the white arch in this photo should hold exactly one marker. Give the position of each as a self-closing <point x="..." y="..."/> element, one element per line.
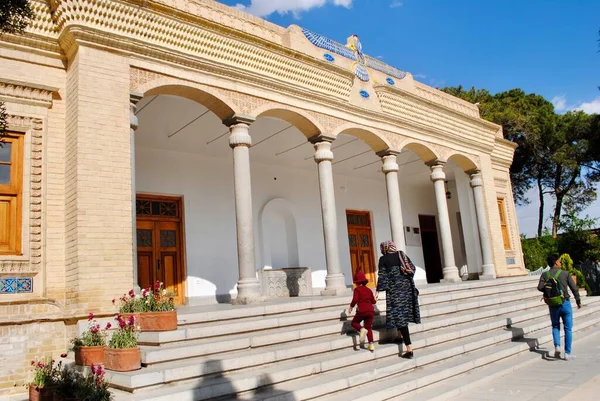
<point x="279" y="245"/>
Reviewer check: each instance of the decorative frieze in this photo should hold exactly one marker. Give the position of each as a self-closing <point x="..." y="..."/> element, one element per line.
<point x="181" y="40"/>
<point x="437" y="96"/>
<point x="18" y="92"/>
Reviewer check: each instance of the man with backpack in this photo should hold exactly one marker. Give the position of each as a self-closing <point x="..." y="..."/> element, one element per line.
<point x="554" y="285"/>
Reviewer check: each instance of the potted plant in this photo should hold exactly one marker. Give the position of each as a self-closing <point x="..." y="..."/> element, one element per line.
<point x="41" y="387"/>
<point x="67" y="384"/>
<point x="89" y="347"/>
<point x="123" y="353"/>
<point x="154" y="309"/>
<point x="93" y="386"/>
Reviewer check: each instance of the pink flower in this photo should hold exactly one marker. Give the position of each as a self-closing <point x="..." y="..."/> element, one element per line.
<point x="131" y="320"/>
<point x="93" y="369"/>
<point x="95" y="329"/>
<point x="32" y="362"/>
<point x="157" y="285"/>
<point x="108" y="326"/>
<point x="90" y="316"/>
<point x="113" y="301"/>
<point x="63" y="355"/>
<point x="131" y="293"/>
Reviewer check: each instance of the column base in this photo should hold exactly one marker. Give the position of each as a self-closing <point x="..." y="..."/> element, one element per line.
<point x="335" y="285"/>
<point x="450" y="275"/>
<point x="489" y="272"/>
<point x="248" y="292"/>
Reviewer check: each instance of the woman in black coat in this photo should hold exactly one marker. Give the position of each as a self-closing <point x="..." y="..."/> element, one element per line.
<point x="396" y="272"/>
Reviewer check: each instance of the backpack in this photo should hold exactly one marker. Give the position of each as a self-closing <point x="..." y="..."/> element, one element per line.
<point x="553" y="295"/>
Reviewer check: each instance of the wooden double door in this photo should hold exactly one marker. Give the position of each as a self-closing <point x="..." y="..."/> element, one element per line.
<point x="160" y="243"/>
<point x="360" y="239"/>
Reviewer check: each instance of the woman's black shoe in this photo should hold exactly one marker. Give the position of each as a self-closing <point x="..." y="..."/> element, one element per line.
<point x="408" y="355"/>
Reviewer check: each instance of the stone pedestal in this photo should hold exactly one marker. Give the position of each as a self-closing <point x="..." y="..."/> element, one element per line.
<point x="286" y="282"/>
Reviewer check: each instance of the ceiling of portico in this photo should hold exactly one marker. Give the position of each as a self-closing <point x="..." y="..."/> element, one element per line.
<point x="180" y="125"/>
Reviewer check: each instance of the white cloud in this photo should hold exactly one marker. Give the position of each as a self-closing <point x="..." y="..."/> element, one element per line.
<point x="396" y="4"/>
<point x="419" y="76"/>
<point x="263" y="8"/>
<point x="559" y="102"/>
<point x="592" y="107"/>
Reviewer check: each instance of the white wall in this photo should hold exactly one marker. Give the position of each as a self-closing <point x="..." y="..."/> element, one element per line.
<point x="206" y="185"/>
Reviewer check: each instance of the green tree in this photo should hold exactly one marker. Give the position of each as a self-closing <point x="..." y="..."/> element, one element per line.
<point x="573" y="174"/>
<point x="15" y="16"/>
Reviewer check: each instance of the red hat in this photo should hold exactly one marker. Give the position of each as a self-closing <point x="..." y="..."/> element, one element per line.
<point x="359" y="277"/>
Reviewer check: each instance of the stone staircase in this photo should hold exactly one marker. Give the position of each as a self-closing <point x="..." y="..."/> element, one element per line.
<point x="299" y="349"/>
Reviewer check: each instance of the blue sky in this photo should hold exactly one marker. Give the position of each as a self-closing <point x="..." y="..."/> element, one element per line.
<point x="543" y="46"/>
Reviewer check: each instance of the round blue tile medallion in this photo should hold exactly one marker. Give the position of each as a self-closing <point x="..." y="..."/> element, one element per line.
<point x="364" y="94"/>
<point x="390" y="81"/>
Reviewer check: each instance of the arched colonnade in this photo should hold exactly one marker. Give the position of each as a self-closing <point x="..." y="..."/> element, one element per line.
<point x="321" y="136"/>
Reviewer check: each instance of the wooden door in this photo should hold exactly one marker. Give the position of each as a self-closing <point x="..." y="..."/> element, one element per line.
<point x="431" y="249"/>
<point x="360" y="239"/>
<point x="160" y="244"/>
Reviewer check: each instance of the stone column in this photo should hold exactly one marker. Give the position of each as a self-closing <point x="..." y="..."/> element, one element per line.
<point x="390" y="169"/>
<point x="438" y="177"/>
<point x="489" y="271"/>
<point x="334" y="281"/>
<point x="134" y="98"/>
<point x="248" y="286"/>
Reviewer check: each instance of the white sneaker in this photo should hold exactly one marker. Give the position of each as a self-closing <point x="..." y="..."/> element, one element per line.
<point x="557" y="352"/>
<point x="362" y="334"/>
<point x="569" y="357"/>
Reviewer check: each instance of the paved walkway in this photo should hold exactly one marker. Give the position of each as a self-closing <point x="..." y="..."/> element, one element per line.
<point x="549" y="379"/>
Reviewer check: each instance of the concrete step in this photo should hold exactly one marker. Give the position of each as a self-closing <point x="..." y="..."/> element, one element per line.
<point x="331" y="355"/>
<point x="459" y="385"/>
<point x="500" y="294"/>
<point x="210" y="345"/>
<point x="213" y="313"/>
<point x="386" y="379"/>
<point x="361" y="368"/>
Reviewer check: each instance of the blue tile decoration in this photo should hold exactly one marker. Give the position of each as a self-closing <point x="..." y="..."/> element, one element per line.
<point x="329" y="57"/>
<point x="362" y="61"/>
<point x="16" y="285"/>
<point x="364" y="94"/>
<point x="510" y="261"/>
<point x="390" y="81"/>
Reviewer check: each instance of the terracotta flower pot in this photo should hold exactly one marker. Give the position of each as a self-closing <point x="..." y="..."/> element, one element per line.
<point x="122" y="360"/>
<point x="40" y="393"/>
<point x="155" y="321"/>
<point x="88" y="356"/>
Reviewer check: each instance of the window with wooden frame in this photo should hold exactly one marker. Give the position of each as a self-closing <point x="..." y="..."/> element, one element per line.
<point x="503" y="223"/>
<point x="11" y="187"/>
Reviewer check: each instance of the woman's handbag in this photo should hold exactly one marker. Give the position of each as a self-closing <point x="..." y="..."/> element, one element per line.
<point x="405" y="267"/>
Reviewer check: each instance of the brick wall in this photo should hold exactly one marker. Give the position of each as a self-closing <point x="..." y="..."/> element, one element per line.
<point x="98" y="180"/>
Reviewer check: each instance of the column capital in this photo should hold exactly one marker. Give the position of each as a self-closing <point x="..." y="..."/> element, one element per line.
<point x="321" y="138"/>
<point x="134" y="98"/>
<point x="239" y="135"/>
<point x="239" y="119"/>
<point x="476" y="178"/>
<point x="323" y="151"/>
<point x="390" y="165"/>
<point x="437" y="169"/>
